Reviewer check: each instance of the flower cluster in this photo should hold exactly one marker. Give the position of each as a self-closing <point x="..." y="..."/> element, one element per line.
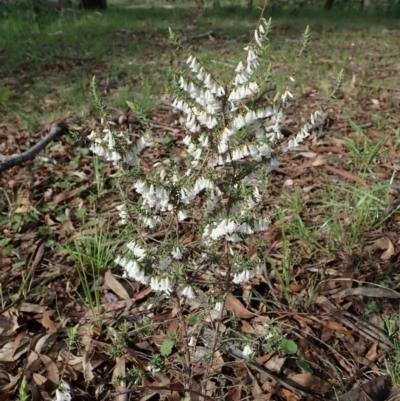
<point x="112" y="146"/>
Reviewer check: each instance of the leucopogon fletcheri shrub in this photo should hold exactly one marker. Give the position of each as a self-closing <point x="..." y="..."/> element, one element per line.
<point x="210" y="203"/>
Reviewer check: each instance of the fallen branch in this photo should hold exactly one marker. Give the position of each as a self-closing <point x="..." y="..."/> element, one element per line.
<point x="201" y="36"/>
<point x="379" y="56"/>
<point x="56" y="130"/>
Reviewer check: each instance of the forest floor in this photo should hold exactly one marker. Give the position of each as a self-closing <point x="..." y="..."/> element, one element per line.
<point x="334" y="264"/>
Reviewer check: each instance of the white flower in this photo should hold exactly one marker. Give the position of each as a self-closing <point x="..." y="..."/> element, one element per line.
<point x="247" y="351"/>
<point x="256" y="194"/>
<point x="63" y="392"/>
<point x="226" y="226"/>
<point x="182" y="215"/>
<point x="261" y="225"/>
<point x="242" y="277"/>
<point x="257" y="38"/>
<point x="149" y="221"/>
<point x="192" y="342"/>
<point x="138" y="252"/>
<point x="188" y="292"/>
<point x="240" y="67"/>
<point x="166" y="285"/>
<point x="152" y="369"/>
<point x="219" y="306"/>
<point x="194" y="65"/>
<point x="176" y="253"/>
<point x="123" y="214"/>
<point x="163" y="285"/>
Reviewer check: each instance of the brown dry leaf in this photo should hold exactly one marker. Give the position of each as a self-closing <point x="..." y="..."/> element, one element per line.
<point x="377" y="389"/>
<point x="287" y="395"/>
<point x="386" y="245"/>
<point x="353" y="81"/>
<point x="373" y="351"/>
<point x="262" y="359"/>
<point x="119" y="370"/>
<point x="293" y="288"/>
<point x="312" y="382"/>
<point x="49" y="222"/>
<point x="48" y="323"/>
<point x="345" y="174"/>
<point x="8" y="382"/>
<point x="218" y="363"/>
<point x="52" y="371"/>
<point x="367" y="292"/>
<point x="26" y="206"/>
<point x="173" y="327"/>
<point x="115" y="286"/>
<point x="308" y="155"/>
<point x="39" y="379"/>
<point x="162" y="380"/>
<point x="63" y="196"/>
<point x="9" y="354"/>
<point x="174" y="396"/>
<point x="320" y="161"/>
<point x="247" y="327"/>
<point x="234" y="393"/>
<point x="33" y="362"/>
<point x="256" y="390"/>
<point x="232" y="304"/>
<point x="275" y="363"/>
<point x="8" y="323"/>
<point x="65" y="228"/>
<point x="247" y="294"/>
<point x="20" y="338"/>
<point x="87" y="366"/>
<point x="30" y="308"/>
<point x="43" y="343"/>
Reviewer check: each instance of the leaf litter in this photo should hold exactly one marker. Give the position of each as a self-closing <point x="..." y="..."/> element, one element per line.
<point x="322" y="305"/>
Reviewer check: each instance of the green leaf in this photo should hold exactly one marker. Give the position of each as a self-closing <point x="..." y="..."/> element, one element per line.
<point x="289" y="347"/>
<point x="6" y="251"/>
<point x="131" y="105"/>
<point x="166" y="348"/>
<point x="73" y="165"/>
<point x="80" y="213"/>
<point x="17" y="265"/>
<point x="304" y="366"/>
<point x="45" y="230"/>
<point x="4" y="241"/>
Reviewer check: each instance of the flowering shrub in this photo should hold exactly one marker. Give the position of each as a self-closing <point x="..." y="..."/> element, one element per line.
<point x="208" y="206"/>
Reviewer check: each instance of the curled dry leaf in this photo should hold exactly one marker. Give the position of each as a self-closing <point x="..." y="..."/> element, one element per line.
<point x="8" y="382"/>
<point x="384" y="244"/>
<point x="232" y="304"/>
